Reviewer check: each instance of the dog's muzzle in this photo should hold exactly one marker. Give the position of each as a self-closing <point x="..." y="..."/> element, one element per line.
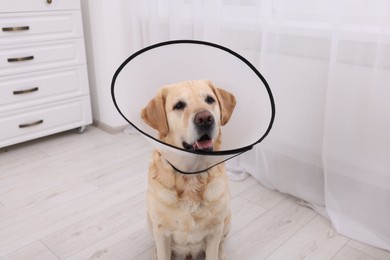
<point x="204" y="123"/>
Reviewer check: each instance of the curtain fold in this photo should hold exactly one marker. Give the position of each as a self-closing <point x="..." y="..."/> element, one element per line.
<point x="328" y="65"/>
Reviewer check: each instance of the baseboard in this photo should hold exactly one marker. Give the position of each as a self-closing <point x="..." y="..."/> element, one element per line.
<point x="109" y="129"/>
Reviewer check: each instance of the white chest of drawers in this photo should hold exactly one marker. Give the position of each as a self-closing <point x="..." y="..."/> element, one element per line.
<point x="43" y="75"/>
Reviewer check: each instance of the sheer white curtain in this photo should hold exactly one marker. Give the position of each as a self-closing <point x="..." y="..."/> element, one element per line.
<point x="328" y="64"/>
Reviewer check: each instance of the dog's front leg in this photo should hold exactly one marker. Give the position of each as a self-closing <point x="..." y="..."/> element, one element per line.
<point x="163" y="245"/>
<point x="212" y="243"/>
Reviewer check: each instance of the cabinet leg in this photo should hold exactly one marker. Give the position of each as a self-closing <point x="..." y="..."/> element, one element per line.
<point x="81" y="129"/>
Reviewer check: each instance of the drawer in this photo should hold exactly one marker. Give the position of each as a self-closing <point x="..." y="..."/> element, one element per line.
<point x="39" y="26"/>
<point x="29" y="89"/>
<point x="37" y="5"/>
<point x="41" y="56"/>
<point x="22" y="125"/>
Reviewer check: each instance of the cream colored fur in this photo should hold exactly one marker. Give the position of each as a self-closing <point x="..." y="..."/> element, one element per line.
<point x="189" y="215"/>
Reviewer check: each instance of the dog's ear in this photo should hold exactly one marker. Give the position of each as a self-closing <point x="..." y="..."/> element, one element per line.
<point x="226" y="101"/>
<point x="154" y="114"/>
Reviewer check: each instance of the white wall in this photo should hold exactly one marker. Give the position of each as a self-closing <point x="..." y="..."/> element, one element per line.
<point x="108" y="45"/>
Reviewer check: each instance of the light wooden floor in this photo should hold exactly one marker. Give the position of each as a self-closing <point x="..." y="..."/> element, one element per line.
<point x="72" y="196"/>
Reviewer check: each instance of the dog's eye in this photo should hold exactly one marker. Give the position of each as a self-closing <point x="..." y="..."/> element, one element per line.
<point x="179" y="105"/>
<point x="210" y="100"/>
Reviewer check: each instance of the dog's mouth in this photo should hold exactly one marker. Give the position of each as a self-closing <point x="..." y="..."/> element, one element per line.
<point x="204" y="143"/>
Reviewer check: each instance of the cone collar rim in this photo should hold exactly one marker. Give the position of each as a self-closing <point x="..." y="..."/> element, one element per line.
<point x="209" y="44"/>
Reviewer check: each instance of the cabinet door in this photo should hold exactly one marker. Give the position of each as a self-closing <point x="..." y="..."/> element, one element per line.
<point x="41" y="56"/>
<point x="37" y="5"/>
<point x="39" y="26"/>
<point x="26" y="124"/>
<point x="28" y="89"/>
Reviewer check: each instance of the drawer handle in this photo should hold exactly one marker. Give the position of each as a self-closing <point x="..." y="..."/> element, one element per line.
<point x="25" y="91"/>
<point x="16" y="29"/>
<point x="20" y="59"/>
<point x="31" y="124"/>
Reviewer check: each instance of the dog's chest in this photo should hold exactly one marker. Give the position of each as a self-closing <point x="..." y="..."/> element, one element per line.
<point x="197" y="217"/>
<point x="190" y="197"/>
<point x="194" y="195"/>
<point x="198" y="205"/>
<point x="191" y="204"/>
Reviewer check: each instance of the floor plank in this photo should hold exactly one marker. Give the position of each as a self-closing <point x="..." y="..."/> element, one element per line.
<point x="262" y="196"/>
<point x="349" y="253"/>
<point x="269" y="231"/>
<point x="23" y="233"/>
<point x="17" y="156"/>
<point x="23" y="209"/>
<point x="243" y="213"/>
<point x="125" y="244"/>
<point x="34" y="251"/>
<point x="377" y="253"/>
<point x="238" y="187"/>
<point x="95" y="228"/>
<point x="316" y="241"/>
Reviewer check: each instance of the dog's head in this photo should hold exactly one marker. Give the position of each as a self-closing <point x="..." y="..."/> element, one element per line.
<point x="189" y="114"/>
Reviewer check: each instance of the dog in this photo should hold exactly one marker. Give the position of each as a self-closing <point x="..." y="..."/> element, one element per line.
<point x="188" y="214"/>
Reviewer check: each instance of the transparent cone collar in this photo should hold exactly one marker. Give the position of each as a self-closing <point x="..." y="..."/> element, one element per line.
<point x="139" y="78"/>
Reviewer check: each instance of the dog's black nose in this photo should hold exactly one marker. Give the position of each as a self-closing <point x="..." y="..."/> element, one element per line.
<point x="204" y="119"/>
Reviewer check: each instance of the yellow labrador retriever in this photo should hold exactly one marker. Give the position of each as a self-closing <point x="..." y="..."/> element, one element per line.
<point x="189" y="215"/>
